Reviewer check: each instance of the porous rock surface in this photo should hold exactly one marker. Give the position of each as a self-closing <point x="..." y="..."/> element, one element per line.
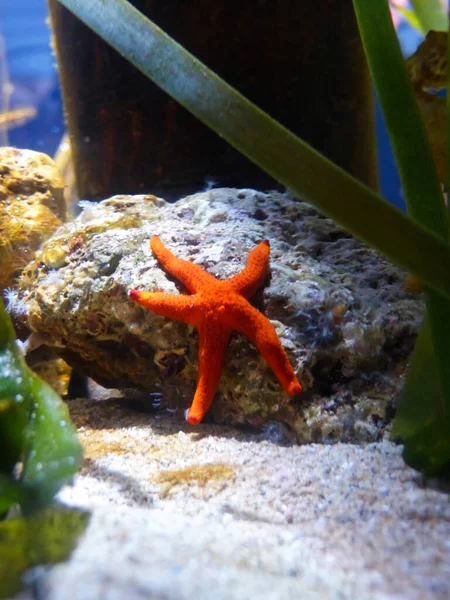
<point x="31" y="207"/>
<point x="341" y="311"/>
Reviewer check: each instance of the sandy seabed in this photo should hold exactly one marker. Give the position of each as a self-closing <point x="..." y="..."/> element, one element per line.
<point x="183" y="512"/>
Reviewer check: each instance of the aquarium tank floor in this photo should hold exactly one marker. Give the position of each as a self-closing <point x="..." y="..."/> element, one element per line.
<point x="221" y="513"/>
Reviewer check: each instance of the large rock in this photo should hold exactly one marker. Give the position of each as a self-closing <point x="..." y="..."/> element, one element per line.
<point x="341" y="311"/>
<point x="31" y="207"/>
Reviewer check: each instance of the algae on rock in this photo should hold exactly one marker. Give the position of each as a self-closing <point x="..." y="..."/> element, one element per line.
<point x="341" y="311"/>
<point x="31" y="207"/>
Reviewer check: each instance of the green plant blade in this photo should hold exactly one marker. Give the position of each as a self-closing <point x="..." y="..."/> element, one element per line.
<point x="427" y="390"/>
<point x="45" y="538"/>
<point x="7" y="334"/>
<point x="409" y="15"/>
<point x="430" y="14"/>
<point x="52" y="452"/>
<point x="448" y="107"/>
<point x="428" y="449"/>
<point x="11" y="492"/>
<point x="402" y="116"/>
<point x="13" y="421"/>
<point x="284" y="156"/>
<point x="421" y="395"/>
<point x="35" y="430"/>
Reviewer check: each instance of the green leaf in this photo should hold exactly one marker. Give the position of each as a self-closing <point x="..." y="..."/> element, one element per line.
<point x="409" y="15"/>
<point x="427" y="390"/>
<point x="47" y="537"/>
<point x="421" y="397"/>
<point x="13" y="561"/>
<point x="52" y="452"/>
<point x="12" y="426"/>
<point x="430" y="14"/>
<point x="448" y="109"/>
<point x="428" y="449"/>
<point x="11" y="492"/>
<point x="402" y="116"/>
<point x="35" y="430"/>
<point x="7" y="334"/>
<point x="284" y="156"/>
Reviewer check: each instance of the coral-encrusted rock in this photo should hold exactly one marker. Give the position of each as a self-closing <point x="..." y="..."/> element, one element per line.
<point x="341" y="311"/>
<point x="31" y="207"/>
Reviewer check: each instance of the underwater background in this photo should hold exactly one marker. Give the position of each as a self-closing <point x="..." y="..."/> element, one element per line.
<point x="28" y="79"/>
<point x="308" y="498"/>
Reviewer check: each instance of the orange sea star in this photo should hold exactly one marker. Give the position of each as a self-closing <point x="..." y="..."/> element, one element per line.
<point x="217" y="308"/>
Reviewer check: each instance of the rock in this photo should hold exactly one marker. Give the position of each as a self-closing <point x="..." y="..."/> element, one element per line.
<point x="31" y="207"/>
<point x="341" y="311"/>
<point x="427" y="69"/>
<point x="434" y="114"/>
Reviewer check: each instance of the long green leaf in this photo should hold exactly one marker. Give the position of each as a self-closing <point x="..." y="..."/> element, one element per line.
<point x="427" y="391"/>
<point x="448" y="108"/>
<point x="402" y="116"/>
<point x="421" y="395"/>
<point x="428" y="449"/>
<point x="284" y="156"/>
<point x="430" y="14"/>
<point x="409" y="15"/>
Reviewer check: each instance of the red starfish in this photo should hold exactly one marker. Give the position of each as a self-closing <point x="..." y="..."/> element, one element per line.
<point x="216" y="308"/>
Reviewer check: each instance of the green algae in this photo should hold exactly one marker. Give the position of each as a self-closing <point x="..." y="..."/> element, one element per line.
<point x="39" y="449"/>
<point x="39" y="452"/>
<point x="46" y="537"/>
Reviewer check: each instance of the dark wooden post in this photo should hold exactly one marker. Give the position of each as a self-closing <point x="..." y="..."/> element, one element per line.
<point x="302" y="62"/>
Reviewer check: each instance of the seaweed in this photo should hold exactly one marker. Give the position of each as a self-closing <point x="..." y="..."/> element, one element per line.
<point x="39" y="453"/>
<point x="46" y="537"/>
<point x="39" y="449"/>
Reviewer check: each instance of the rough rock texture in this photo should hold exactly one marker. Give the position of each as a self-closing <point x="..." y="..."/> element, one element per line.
<point x="340" y="310"/>
<point x="232" y="515"/>
<point x="31" y="207"/>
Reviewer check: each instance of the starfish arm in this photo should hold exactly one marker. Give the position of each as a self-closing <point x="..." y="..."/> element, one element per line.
<point x="180" y="308"/>
<point x="256" y="270"/>
<point x="250" y="322"/>
<point x="213" y="338"/>
<point x="190" y="274"/>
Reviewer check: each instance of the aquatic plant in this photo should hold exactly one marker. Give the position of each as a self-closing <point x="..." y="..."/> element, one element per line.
<point x="417" y="242"/>
<point x="39" y="450"/>
<point x="45" y="537"/>
<point x="423" y="418"/>
<point x="425" y="15"/>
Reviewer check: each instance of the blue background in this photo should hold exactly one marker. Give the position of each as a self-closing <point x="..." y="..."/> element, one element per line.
<point x="31" y="65"/>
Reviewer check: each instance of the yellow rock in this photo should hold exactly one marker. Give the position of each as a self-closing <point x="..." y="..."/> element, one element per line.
<point x="31" y="207"/>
